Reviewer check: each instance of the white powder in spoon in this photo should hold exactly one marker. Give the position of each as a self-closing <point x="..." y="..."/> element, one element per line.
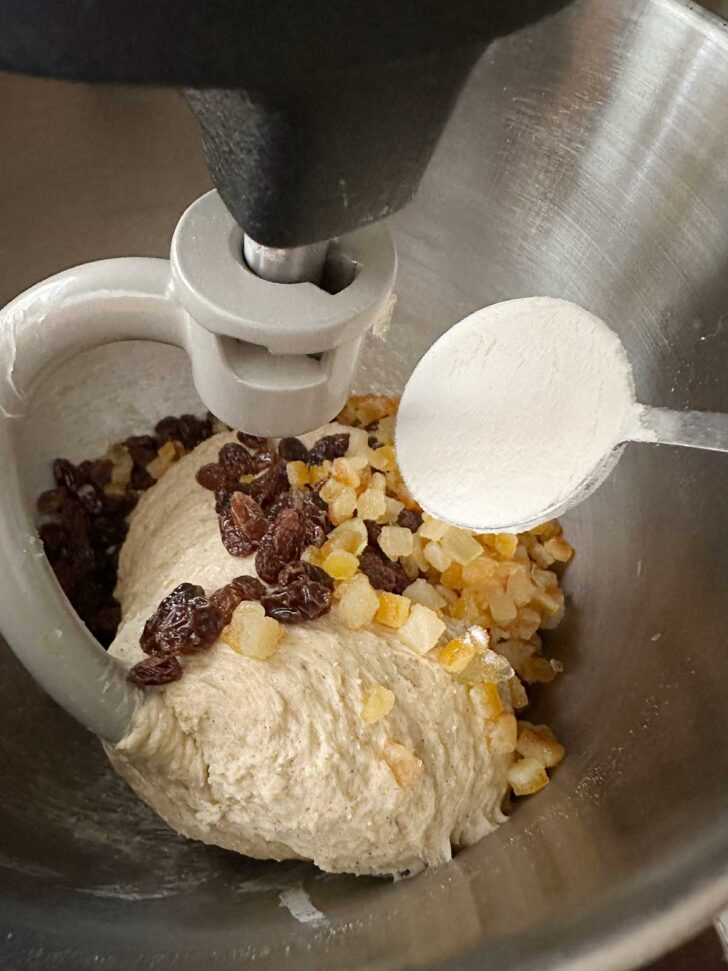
<point x="515" y="414"/>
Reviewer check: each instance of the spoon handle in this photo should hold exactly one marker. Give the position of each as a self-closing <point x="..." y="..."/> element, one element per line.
<point x="693" y="429"/>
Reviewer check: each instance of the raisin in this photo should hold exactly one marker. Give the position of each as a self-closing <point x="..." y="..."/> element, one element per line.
<point x="373" y="531"/>
<point x="141" y="479"/>
<point x="90" y="500"/>
<point x="142" y="448"/>
<point x="301" y="600"/>
<point x="373" y="441"/>
<point x="410" y="519"/>
<point x="292" y="450"/>
<point x="167" y="430"/>
<point x="235" y="460"/>
<point x="282" y="544"/>
<point x="304" y="571"/>
<point x="99" y="472"/>
<point x="108" y="531"/>
<point x="312" y="509"/>
<point x="227" y="598"/>
<point x="52" y="500"/>
<point x="212" y="476"/>
<point x="270" y="484"/>
<point x="253" y="442"/>
<point x="193" y="430"/>
<point x="55" y="539"/>
<point x="156" y="670"/>
<point x="249" y="518"/>
<point x="66" y="474"/>
<point x="185" y="621"/>
<point x="329" y="447"/>
<point x="383" y="574"/>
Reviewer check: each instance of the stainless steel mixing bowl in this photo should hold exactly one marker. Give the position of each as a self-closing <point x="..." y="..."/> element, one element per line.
<point x="588" y="159"/>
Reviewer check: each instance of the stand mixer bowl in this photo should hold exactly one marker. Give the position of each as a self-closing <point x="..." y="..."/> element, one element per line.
<point x="586" y="160"/>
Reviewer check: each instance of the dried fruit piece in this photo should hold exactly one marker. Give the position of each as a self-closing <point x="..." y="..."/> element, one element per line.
<point x="342" y="506"/>
<point x="422" y="630"/>
<point x="351" y="536"/>
<point x="456" y="655"/>
<point x="377" y="701"/>
<point x="301" y="599"/>
<point x="184" y="622"/>
<point x="66" y="474"/>
<point x="539" y="742"/>
<point x="486" y="700"/>
<point x="501" y="734"/>
<point x="283" y="543"/>
<point x="422" y="592"/>
<point x="212" y="476"/>
<point x="293" y="450"/>
<point x="403" y="763"/>
<point x="236" y="460"/>
<point x="358" y="603"/>
<point x="410" y="519"/>
<point x="298" y="474"/>
<point x="383" y="574"/>
<point x="251" y="633"/>
<point x="432" y="529"/>
<point x="383" y="459"/>
<point x="268" y="486"/>
<point x="341" y="565"/>
<point x="52" y="500"/>
<point x="393" y="610"/>
<point x="559" y="549"/>
<point x="227" y="598"/>
<point x="436" y="556"/>
<point x="461" y="546"/>
<point x="153" y="671"/>
<point x="371" y="504"/>
<point x="527" y="776"/>
<point x="249" y="518"/>
<point x="396" y="541"/>
<point x="304" y="571"/>
<point x="254" y="442"/>
<point x="329" y="447"/>
<point x="142" y="448"/>
<point x="519" y="698"/>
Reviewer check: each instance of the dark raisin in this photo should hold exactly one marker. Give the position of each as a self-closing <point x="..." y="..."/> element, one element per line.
<point x="304" y="571"/>
<point x="253" y="442"/>
<point x="235" y="460"/>
<point x="90" y="500"/>
<point x="167" y="430"/>
<point x="373" y="441"/>
<point x="312" y="509"/>
<point x="108" y="531"/>
<point x="99" y="472"/>
<point x="270" y="484"/>
<point x="303" y="599"/>
<point x="52" y="500"/>
<point x="373" y="531"/>
<point x="292" y="450"/>
<point x="410" y="519"/>
<point x="141" y="479"/>
<point x="282" y="544"/>
<point x="329" y="447"/>
<point x="248" y="517"/>
<point x="68" y="575"/>
<point x="142" y="448"/>
<point x="156" y="670"/>
<point x="66" y="474"/>
<point x="212" y="476"/>
<point x="185" y="621"/>
<point x="227" y="598"/>
<point x="383" y="573"/>
<point x="193" y="430"/>
<point x="55" y="539"/>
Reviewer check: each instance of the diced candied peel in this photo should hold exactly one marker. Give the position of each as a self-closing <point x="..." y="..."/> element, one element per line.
<point x="436" y="556"/>
<point x="478" y="572"/>
<point x="392" y="509"/>
<point x="452" y="578"/>
<point x="559" y="549"/>
<point x="486" y="700"/>
<point x="403" y="763"/>
<point x="456" y="655"/>
<point x="422" y="630"/>
<point x="527" y="776"/>
<point x="365" y="409"/>
<point x="317" y="473"/>
<point x="377" y="701"/>
<point x="350" y="536"/>
<point x="345" y="471"/>
<point x="385" y="430"/>
<point x="539" y="742"/>
<point x="449" y="596"/>
<point x="312" y="554"/>
<point x="537" y="670"/>
<point x="540" y="556"/>
<point x="383" y="459"/>
<point x="298" y="474"/>
<point x="505" y="544"/>
<point x="461" y="546"/>
<point x="420" y="591"/>
<point x="341" y="565"/>
<point x="372" y="503"/>
<point x="432" y="528"/>
<point x="342" y="506"/>
<point x="358" y="602"/>
<point x="358" y="442"/>
<point x="519" y="698"/>
<point x="396" y="541"/>
<point x="167" y="455"/>
<point x="251" y="633"/>
<point x="502" y="734"/>
<point x="393" y="609"/>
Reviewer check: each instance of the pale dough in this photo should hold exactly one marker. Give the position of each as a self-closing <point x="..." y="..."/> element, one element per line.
<point x="271" y="758"/>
